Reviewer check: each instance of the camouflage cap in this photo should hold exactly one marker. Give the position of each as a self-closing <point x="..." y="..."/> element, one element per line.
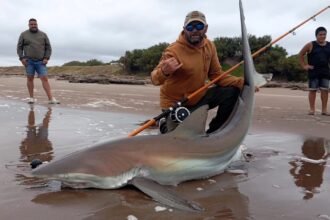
<point x="195" y="16"/>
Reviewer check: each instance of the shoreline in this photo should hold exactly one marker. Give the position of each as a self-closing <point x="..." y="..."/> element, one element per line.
<point x="77" y="74"/>
<point x="276" y="109"/>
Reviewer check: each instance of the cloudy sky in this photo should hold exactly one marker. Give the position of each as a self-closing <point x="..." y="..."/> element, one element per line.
<point x="105" y="29"/>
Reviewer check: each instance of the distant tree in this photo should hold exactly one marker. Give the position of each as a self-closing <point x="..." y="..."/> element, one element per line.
<point x="292" y="70"/>
<point x="267" y="62"/>
<point x="227" y="47"/>
<point x="151" y="56"/>
<point x="74" y="63"/>
<point x="92" y="62"/>
<point x="231" y="47"/>
<point x="130" y="60"/>
<point x="258" y="42"/>
<point x="143" y="60"/>
<point x="271" y="62"/>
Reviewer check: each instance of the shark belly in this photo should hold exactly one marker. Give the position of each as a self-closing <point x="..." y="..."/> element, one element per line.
<point x="194" y="168"/>
<point x="83" y="180"/>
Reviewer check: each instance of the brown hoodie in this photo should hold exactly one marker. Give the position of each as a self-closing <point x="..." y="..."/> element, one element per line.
<point x="199" y="63"/>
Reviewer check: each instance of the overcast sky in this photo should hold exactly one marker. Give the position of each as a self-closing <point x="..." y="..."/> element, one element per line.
<point x="105" y="29"/>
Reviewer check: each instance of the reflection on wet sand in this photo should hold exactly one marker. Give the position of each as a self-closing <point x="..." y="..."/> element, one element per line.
<point x="309" y="176"/>
<point x="36" y="145"/>
<point x="220" y="196"/>
<point x="267" y="191"/>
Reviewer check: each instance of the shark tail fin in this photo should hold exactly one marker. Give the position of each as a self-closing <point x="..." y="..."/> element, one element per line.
<point x="164" y="195"/>
<point x="258" y="79"/>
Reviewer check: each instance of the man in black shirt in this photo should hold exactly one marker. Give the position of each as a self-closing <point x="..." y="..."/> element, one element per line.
<point x="318" y="57"/>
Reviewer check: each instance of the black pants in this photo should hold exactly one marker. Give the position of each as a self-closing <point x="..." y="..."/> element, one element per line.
<point x="224" y="98"/>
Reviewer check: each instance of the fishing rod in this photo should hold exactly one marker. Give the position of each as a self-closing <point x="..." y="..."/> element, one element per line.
<point x="207" y="85"/>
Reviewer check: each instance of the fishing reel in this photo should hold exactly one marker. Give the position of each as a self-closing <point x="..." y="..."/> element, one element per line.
<point x="179" y="114"/>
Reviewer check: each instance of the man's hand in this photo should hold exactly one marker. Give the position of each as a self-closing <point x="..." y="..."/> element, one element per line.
<point x="308" y="67"/>
<point x="170" y="66"/>
<point x="24" y="62"/>
<point x="45" y="61"/>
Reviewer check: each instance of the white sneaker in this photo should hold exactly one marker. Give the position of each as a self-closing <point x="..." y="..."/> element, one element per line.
<point x="53" y="101"/>
<point x="31" y="100"/>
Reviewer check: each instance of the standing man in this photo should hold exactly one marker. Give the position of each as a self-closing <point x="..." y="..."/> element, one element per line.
<point x="318" y="57"/>
<point x="185" y="66"/>
<point x="34" y="51"/>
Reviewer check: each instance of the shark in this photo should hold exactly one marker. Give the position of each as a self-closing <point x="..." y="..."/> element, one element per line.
<point x="151" y="163"/>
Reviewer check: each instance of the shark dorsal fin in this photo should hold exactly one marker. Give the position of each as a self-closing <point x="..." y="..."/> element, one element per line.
<point x="193" y="125"/>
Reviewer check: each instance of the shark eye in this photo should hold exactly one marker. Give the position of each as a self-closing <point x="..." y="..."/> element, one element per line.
<point x="35" y="163"/>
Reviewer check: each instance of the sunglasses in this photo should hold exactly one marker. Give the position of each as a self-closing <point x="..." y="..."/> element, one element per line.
<point x="198" y="26"/>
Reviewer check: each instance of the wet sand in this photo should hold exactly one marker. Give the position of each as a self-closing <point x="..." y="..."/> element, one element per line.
<point x="276" y="186"/>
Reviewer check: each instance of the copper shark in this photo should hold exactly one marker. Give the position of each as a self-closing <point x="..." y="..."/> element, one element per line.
<point x="151" y="161"/>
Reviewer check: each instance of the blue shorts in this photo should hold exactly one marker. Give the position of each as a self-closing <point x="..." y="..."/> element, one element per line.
<point x="315" y="84"/>
<point x="34" y="66"/>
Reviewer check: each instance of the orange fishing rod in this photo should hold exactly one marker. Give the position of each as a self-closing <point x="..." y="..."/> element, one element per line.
<point x="207" y="85"/>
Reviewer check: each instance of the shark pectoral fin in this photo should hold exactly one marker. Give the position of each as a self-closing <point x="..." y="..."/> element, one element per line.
<point x="164" y="195"/>
<point x="193" y="125"/>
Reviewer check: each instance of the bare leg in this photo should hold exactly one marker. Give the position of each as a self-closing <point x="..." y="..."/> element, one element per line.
<point x="312" y="97"/>
<point x="324" y="100"/>
<point x="46" y="86"/>
<point x="30" y="85"/>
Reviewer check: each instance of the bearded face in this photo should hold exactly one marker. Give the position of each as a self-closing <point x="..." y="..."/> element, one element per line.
<point x="33" y="26"/>
<point x="195" y="32"/>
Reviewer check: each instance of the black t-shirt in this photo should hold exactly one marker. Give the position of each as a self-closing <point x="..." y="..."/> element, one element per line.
<point x="319" y="57"/>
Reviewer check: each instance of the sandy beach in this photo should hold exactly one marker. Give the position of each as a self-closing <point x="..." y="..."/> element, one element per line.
<point x="277" y="185"/>
<point x="276" y="109"/>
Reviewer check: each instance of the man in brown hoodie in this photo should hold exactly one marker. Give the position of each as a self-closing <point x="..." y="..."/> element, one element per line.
<point x="185" y="66"/>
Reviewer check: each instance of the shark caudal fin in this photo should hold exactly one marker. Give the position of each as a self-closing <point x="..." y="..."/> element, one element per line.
<point x="257" y="78"/>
